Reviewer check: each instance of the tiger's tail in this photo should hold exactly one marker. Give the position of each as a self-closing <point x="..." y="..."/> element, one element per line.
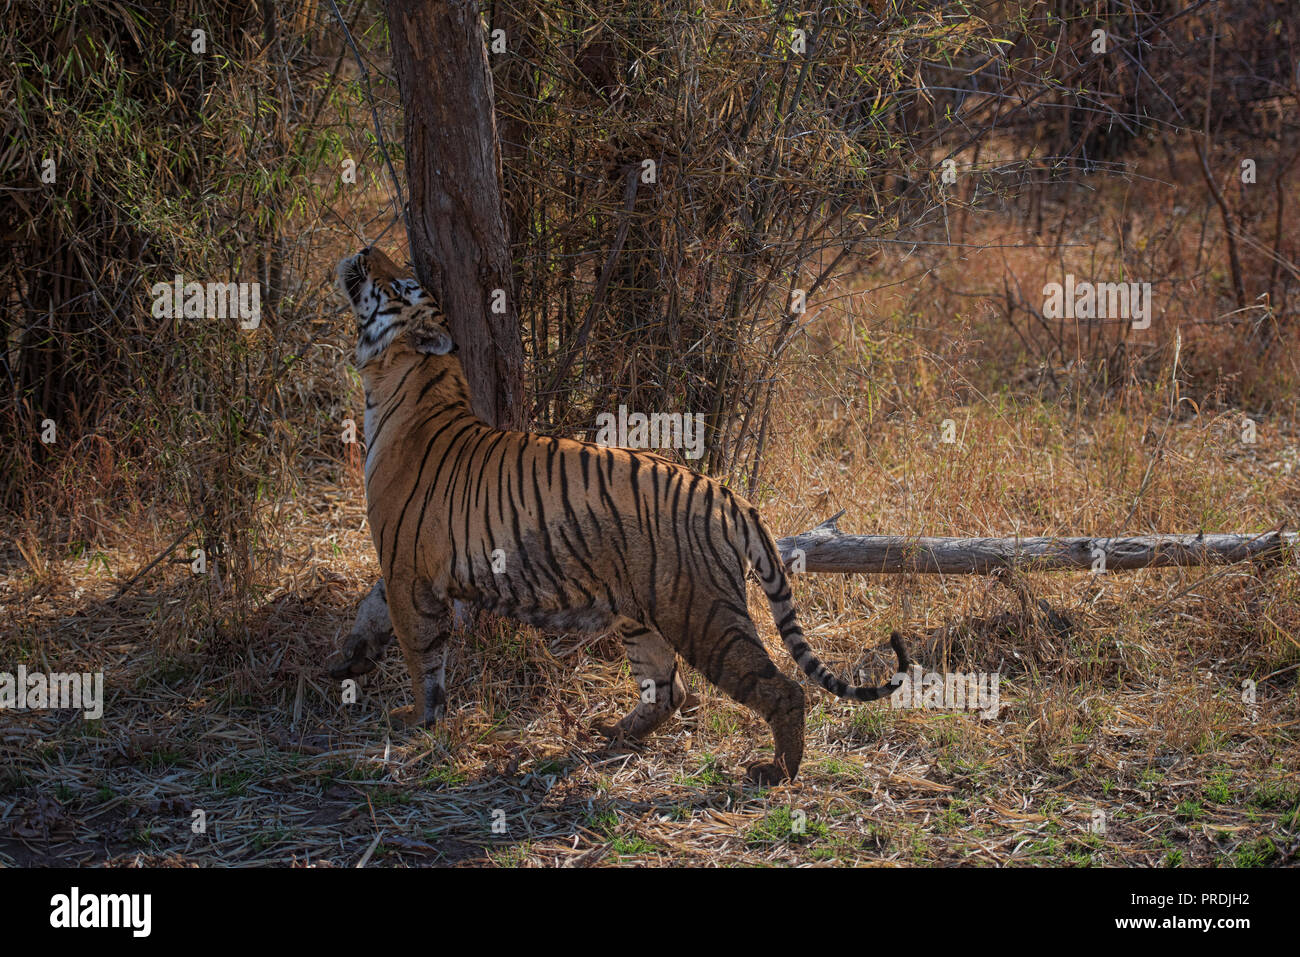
<point x="770" y="570"/>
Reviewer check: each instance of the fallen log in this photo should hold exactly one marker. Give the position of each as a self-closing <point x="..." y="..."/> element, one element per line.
<point x="827" y="549"/>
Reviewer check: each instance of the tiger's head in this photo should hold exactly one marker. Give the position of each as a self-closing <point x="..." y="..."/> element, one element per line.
<point x="388" y="305"/>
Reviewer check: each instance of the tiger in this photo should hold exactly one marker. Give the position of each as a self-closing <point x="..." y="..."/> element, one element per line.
<point x="566" y="535"/>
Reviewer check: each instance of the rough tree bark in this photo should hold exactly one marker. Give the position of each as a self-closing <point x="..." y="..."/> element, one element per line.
<point x="459" y="242"/>
<point x="460" y="246"/>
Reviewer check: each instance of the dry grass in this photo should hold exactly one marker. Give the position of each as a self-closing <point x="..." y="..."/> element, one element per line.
<point x="1135" y="711"/>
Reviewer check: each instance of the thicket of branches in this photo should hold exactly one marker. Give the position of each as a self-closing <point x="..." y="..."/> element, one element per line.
<point x="683" y="183"/>
<point x="780" y="165"/>
<point x="220" y="165"/>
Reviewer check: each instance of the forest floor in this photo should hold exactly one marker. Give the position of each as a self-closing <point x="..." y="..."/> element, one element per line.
<point x="1122" y="738"/>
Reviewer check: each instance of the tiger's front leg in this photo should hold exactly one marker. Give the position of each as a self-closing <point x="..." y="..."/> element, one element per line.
<point x="422" y="622"/>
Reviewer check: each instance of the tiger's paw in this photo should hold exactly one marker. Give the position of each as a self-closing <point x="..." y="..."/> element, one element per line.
<point x="353" y="667"/>
<point x="766" y="774"/>
<point x="617" y="736"/>
<point x="354" y="660"/>
<point x="403" y="717"/>
<point x="610" y="730"/>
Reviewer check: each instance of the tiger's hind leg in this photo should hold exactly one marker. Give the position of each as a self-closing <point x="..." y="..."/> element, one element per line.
<point x="422" y="622"/>
<point x="654" y="666"/>
<point x="731" y="655"/>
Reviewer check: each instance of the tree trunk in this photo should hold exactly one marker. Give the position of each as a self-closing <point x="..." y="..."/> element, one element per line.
<point x="459" y="243"/>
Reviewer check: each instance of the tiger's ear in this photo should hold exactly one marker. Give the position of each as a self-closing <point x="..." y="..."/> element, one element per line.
<point x="432" y="342"/>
